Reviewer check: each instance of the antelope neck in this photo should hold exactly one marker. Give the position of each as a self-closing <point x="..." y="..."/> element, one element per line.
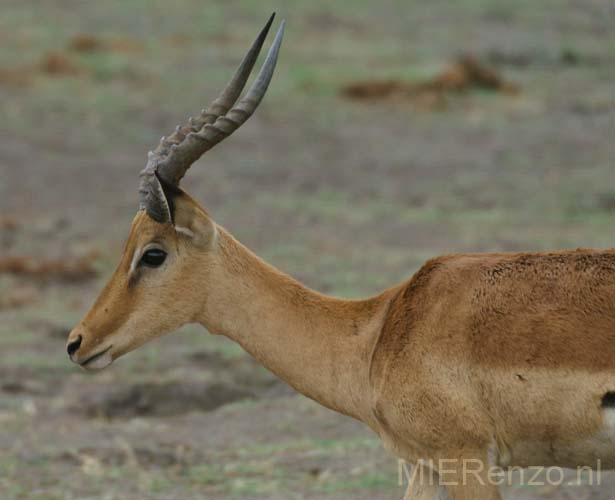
<point x="319" y="345"/>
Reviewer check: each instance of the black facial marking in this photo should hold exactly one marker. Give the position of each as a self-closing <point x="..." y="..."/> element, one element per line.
<point x="608" y="400"/>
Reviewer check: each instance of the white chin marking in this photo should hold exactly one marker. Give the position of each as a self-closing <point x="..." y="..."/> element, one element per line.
<point x="99" y="363"/>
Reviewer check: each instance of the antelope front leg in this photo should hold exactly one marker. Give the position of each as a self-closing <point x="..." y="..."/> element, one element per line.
<point x="425" y="492"/>
<point x="423" y="484"/>
<point x="474" y="491"/>
<point x="465" y="477"/>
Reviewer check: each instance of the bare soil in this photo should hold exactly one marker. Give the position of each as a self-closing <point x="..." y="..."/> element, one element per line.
<point x="464" y="75"/>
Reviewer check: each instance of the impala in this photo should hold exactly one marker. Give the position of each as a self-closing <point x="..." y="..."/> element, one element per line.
<point x="503" y="359"/>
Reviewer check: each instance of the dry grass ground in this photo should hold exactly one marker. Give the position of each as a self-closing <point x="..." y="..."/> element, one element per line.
<point x="348" y="196"/>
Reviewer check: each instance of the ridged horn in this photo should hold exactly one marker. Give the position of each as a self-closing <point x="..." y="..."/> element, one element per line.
<point x="168" y="163"/>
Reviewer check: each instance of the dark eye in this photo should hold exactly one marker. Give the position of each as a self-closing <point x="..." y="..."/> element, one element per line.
<point x="153" y="257"/>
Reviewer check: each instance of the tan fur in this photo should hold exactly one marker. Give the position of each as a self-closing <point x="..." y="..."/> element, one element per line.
<point x="497" y="357"/>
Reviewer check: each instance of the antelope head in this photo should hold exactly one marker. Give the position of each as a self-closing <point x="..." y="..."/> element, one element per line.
<point x="171" y="235"/>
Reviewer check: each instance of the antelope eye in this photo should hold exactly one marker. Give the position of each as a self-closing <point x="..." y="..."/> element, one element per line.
<point x="153" y="257"/>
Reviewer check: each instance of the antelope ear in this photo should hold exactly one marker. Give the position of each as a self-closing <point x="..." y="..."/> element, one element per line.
<point x="191" y="221"/>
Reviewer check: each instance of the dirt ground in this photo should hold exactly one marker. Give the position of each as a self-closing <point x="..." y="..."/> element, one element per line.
<point x="348" y="195"/>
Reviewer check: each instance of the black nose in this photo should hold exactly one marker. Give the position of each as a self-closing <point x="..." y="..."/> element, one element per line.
<point x="73" y="346"/>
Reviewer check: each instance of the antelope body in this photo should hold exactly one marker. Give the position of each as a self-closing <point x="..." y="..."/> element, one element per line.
<point x="503" y="359"/>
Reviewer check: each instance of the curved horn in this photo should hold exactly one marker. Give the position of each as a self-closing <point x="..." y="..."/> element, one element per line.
<point x="199" y="140"/>
<point x="174" y="155"/>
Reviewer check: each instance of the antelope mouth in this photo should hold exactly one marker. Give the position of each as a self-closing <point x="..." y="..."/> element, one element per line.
<point x="98" y="361"/>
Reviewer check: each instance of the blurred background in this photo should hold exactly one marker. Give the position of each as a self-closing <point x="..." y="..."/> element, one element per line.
<point x="393" y="131"/>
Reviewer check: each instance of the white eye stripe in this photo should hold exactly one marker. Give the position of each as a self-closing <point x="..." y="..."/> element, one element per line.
<point x="135" y="260"/>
